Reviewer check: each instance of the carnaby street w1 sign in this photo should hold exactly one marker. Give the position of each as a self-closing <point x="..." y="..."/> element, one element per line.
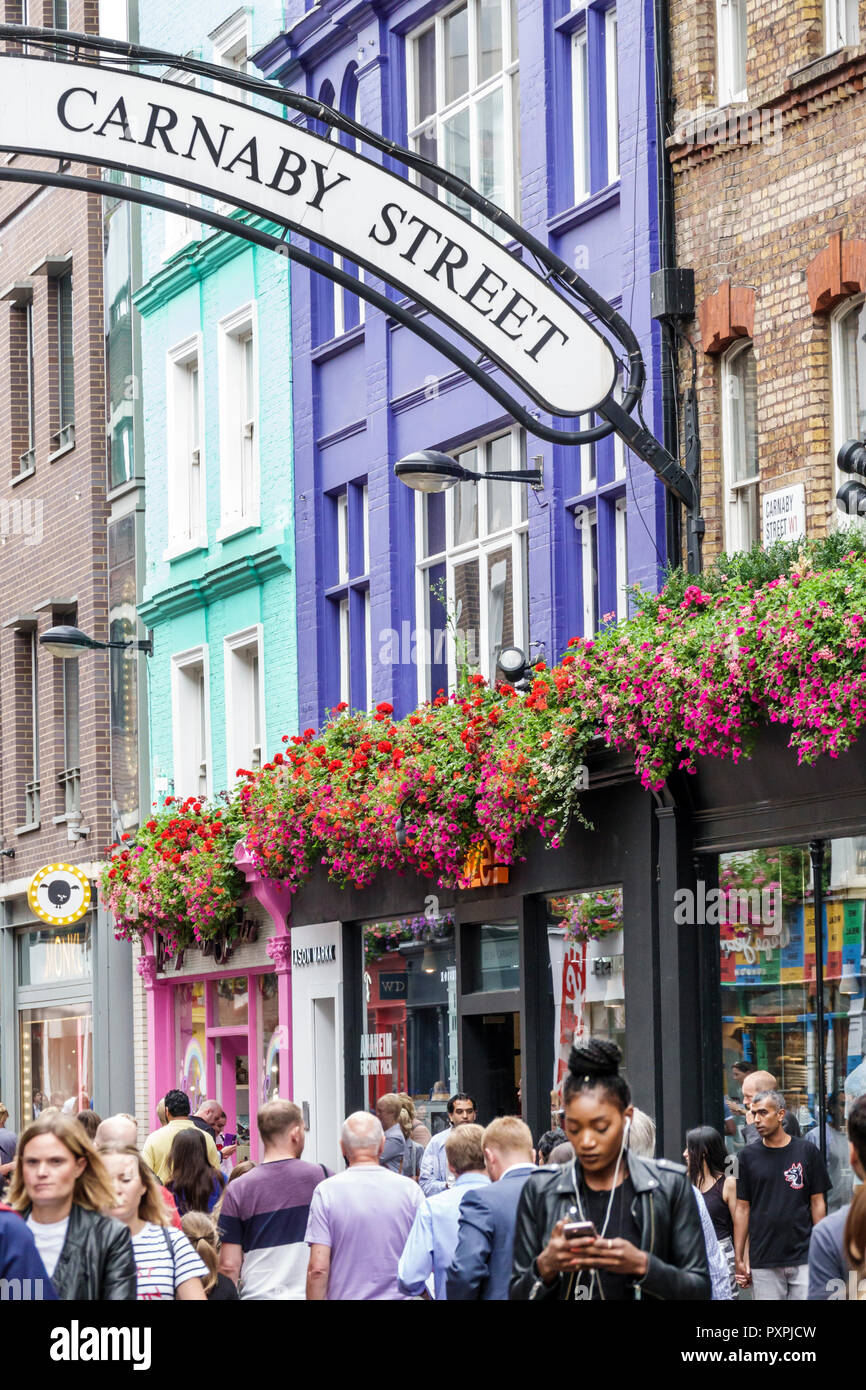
<point x="333" y="195"/>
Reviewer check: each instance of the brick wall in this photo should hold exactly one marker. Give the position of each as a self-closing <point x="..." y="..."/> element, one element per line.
<point x="755" y="210"/>
<point x="52" y="522"/>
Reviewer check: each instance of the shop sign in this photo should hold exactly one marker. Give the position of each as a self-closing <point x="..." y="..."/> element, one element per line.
<point x="480" y="870"/>
<point x="59" y="894"/>
<point x="328" y="192"/>
<point x="51" y="957"/>
<point x="376" y="1054"/>
<point x="314" y="955"/>
<point x="392" y="986"/>
<point x="784" y="514"/>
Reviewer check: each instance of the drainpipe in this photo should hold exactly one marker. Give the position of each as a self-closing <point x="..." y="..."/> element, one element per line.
<point x="667" y="260"/>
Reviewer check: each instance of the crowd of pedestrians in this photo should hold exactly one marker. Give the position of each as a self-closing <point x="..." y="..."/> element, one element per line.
<point x="471" y="1213"/>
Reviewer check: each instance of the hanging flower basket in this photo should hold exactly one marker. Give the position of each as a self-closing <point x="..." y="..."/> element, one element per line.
<point x="769" y="637"/>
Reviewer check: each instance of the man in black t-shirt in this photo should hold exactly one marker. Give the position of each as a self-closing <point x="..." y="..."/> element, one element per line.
<point x="781" y="1193"/>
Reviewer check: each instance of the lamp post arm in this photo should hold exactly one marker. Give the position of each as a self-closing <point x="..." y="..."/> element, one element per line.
<point x="516" y="475"/>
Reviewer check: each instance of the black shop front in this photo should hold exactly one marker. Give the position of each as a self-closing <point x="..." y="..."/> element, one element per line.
<point x="682" y="925"/>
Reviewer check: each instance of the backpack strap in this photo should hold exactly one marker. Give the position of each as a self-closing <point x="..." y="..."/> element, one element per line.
<point x="169" y="1245"/>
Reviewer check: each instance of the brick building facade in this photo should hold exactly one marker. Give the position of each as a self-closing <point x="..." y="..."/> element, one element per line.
<point x="55" y="782"/>
<point x="770" y="211"/>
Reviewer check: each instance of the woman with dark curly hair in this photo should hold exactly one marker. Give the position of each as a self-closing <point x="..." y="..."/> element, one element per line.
<point x="608" y="1225"/>
<point x="193" y="1183"/>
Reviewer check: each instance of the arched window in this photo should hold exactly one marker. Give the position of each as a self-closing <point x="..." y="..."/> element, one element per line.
<point x="740" y="447"/>
<point x="848" y="358"/>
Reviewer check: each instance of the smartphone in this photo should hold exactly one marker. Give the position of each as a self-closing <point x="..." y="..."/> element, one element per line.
<point x="579" y="1230"/>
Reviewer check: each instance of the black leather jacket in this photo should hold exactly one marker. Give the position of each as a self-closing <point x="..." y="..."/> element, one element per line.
<point x="97" y="1261"/>
<point x="664" y="1209"/>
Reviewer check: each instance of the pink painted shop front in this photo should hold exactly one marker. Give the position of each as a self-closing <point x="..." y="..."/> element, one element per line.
<point x="224" y="1032"/>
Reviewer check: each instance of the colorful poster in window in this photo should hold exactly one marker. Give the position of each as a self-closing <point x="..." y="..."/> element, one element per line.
<point x="835" y="917"/>
<point x="572" y="1010"/>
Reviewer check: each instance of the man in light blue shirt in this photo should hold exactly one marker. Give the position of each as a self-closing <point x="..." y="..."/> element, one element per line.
<point x="431" y="1243"/>
<point x="433" y="1175"/>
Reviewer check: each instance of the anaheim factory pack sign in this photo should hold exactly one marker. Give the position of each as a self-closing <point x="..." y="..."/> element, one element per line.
<point x="335" y="196"/>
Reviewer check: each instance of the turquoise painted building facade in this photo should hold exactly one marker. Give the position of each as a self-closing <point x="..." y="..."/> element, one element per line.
<point x="219" y="590"/>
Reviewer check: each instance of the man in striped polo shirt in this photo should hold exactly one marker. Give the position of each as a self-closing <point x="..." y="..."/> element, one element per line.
<point x="263" y="1219"/>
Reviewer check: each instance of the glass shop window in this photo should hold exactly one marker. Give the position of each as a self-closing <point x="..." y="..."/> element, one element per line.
<point x="585" y="939"/>
<point x="410" y="1008"/>
<point x="767" y="940"/>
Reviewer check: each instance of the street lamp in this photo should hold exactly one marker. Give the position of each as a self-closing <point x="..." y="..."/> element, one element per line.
<point x="430" y="471"/>
<point x="66" y="642"/>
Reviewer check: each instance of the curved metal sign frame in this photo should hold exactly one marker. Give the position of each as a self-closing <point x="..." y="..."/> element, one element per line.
<point x="525" y="322"/>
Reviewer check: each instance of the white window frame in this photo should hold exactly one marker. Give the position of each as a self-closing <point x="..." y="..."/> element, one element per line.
<point x="580" y="137"/>
<point x="611" y="92"/>
<point x="338" y="291"/>
<point x="343" y="619"/>
<point x="187" y="523"/>
<point x="368" y="649"/>
<point x="240" y="749"/>
<point x="231" y="39"/>
<point x="621" y="565"/>
<point x="731" y="73"/>
<point x="343" y="536"/>
<point x="842" y="430"/>
<point x="588" y="520"/>
<point x="505" y="77"/>
<point x="841" y="25"/>
<point x="185" y="717"/>
<point x="478" y="548"/>
<point x="179" y="230"/>
<point x="734" y="539"/>
<point x="240" y="481"/>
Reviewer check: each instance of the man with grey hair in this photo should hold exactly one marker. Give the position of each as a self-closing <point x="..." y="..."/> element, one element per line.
<point x="781" y="1194"/>
<point x="360" y="1220"/>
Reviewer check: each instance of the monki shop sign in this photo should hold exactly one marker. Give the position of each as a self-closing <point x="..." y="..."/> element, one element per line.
<point x="259" y="161"/>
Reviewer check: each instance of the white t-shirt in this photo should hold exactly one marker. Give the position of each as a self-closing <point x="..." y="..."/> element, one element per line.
<point x="158" y="1273"/>
<point x="50" y="1238"/>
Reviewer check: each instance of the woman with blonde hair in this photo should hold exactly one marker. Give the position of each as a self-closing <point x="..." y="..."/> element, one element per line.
<point x="166" y="1264"/>
<point x="417" y="1129"/>
<point x="401" y="1154"/>
<point x="202" y="1233"/>
<point x="61" y="1187"/>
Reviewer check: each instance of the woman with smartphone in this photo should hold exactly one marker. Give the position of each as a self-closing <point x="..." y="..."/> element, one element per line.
<point x="608" y="1225"/>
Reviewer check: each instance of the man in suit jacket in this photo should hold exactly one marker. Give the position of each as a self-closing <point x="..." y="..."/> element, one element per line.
<point x="481" y="1267"/>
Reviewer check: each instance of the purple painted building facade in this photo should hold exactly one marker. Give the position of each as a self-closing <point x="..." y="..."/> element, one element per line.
<point x="550" y="113"/>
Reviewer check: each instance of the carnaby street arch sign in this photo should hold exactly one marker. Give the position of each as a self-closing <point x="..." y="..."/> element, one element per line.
<point x="477" y="291"/>
<point x="99" y="115"/>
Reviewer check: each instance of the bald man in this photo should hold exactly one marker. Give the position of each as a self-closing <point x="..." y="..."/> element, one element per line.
<point x="753" y="1085"/>
<point x="121" y="1132"/>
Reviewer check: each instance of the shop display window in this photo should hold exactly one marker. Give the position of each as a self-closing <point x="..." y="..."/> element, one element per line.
<point x="54" y="955"/>
<point x="272" y="1036"/>
<point x="231" y="1002"/>
<point x="585" y="940"/>
<point x="56" y="1052"/>
<point x="767" y="942"/>
<point x="410" y="1011"/>
<point x="190" y="1045"/>
<point x="495" y="956"/>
